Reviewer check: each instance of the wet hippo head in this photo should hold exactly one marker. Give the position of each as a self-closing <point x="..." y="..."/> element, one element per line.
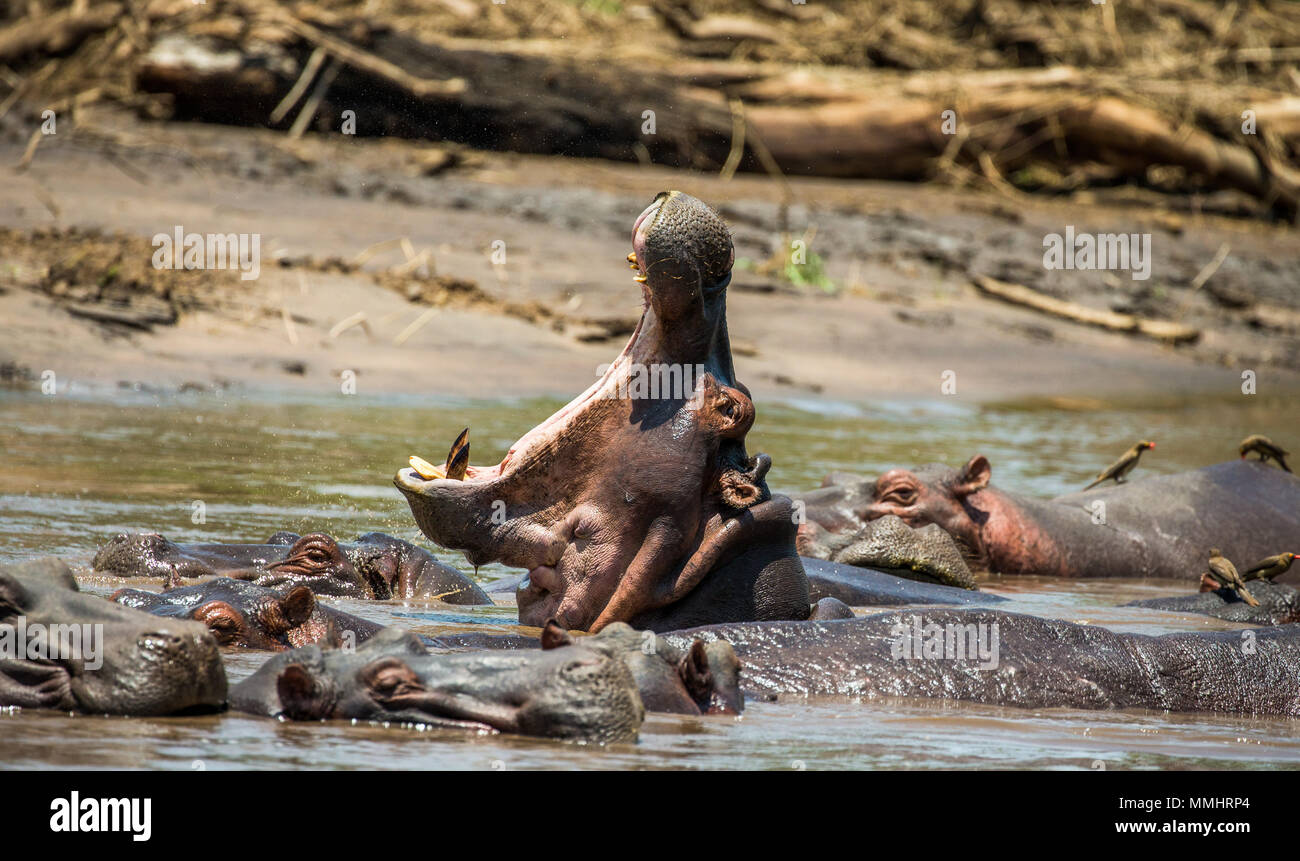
<point x="316" y="560"/>
<point x="569" y="693"/>
<point x="396" y="568"/>
<point x="936" y="494"/>
<point x="146" y="554"/>
<point x="637" y="501"/>
<point x="109" y="659"/>
<point x="243" y="614"/>
<point x="703" y="678"/>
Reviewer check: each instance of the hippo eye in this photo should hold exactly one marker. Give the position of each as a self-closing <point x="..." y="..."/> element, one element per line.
<point x="901" y="495"/>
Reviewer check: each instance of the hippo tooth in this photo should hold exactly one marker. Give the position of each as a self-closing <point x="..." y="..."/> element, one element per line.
<point x="631" y="257"/>
<point x="426" y="470"/>
<point x="640" y="279"/>
<point x="458" y="457"/>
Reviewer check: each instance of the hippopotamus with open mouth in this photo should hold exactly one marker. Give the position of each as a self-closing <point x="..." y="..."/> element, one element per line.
<point x="637" y="501"/>
<point x="243" y="614"/>
<point x="1158" y="526"/>
<point x="95" y="656"/>
<point x="374" y="566"/>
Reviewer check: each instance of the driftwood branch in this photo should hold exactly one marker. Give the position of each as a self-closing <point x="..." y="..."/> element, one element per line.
<point x="1016" y="294"/>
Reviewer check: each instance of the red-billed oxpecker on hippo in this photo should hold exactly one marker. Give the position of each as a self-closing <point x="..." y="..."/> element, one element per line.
<point x="635" y="507"/>
<point x="1157" y="526"/>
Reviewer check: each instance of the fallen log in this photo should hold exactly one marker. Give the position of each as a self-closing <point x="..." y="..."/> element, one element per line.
<point x="1017" y="294"/>
<point x="536" y="96"/>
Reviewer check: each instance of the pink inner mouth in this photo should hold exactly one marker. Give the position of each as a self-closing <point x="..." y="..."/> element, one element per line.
<point x="556" y="423"/>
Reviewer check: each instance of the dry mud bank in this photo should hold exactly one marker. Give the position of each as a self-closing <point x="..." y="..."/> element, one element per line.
<point x="499" y="275"/>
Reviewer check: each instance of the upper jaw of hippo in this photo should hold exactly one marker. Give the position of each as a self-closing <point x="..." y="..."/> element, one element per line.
<point x="455" y="513"/>
<point x="528" y="511"/>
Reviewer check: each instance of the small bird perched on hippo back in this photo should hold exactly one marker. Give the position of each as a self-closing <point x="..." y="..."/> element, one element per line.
<point x="1223" y="575"/>
<point x="1265" y="448"/>
<point x="1269" y="567"/>
<point x="1122" y="467"/>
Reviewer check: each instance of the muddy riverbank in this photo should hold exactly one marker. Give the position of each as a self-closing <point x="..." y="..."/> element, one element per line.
<point x="439" y="270"/>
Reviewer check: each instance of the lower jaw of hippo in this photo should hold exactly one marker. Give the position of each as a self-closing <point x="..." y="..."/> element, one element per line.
<point x="543" y="595"/>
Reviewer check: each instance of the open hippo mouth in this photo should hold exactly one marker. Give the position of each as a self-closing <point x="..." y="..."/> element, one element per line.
<point x="626" y="499"/>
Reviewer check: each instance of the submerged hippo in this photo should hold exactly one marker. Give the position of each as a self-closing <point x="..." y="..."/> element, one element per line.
<point x="928" y="554"/>
<point x="62" y="649"/>
<point x="243" y="614"/>
<point x="702" y="678"/>
<point x="570" y="692"/>
<point x="1279" y="604"/>
<point x="997" y="658"/>
<point x="637" y="502"/>
<point x="374" y="566"/>
<point x="1161" y="526"/>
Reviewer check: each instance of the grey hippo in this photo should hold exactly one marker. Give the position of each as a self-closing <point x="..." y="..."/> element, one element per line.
<point x="374" y="566"/>
<point x="568" y="692"/>
<point x="110" y="659"/>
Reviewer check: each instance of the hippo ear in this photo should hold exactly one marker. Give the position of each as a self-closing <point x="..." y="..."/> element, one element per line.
<point x="553" y="636"/>
<point x="973" y="476"/>
<point x="695" y="673"/>
<point x="12" y="596"/>
<point x="298" y="605"/>
<point x="300" y="696"/>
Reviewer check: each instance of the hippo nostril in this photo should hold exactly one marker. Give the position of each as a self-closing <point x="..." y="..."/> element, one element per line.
<point x="158" y="641"/>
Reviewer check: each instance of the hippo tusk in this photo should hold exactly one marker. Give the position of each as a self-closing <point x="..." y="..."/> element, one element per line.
<point x="458" y="457"/>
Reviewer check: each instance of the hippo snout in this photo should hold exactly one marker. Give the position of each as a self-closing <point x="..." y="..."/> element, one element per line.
<point x="159" y="671"/>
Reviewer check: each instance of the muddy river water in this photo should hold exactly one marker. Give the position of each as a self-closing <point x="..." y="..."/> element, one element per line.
<point x="219" y="468"/>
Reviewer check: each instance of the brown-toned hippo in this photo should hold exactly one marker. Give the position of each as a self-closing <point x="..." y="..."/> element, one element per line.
<point x="373" y="566"/>
<point x="1156" y="526"/>
<point x="637" y="501"/>
<point x="245" y="615"/>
